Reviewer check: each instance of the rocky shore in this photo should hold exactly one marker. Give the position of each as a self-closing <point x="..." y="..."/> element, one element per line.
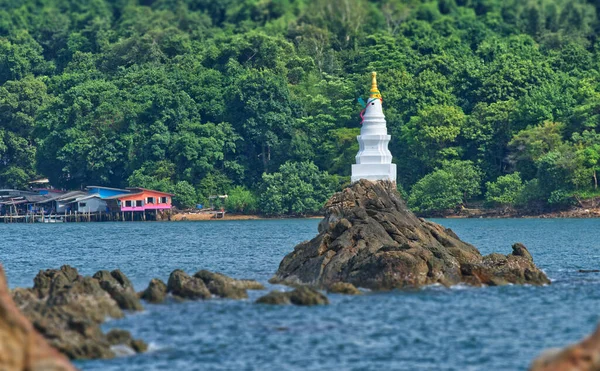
<point x="370" y="239"/>
<point x="68" y="309"/>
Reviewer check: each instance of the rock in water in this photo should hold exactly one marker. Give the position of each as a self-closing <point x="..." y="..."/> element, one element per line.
<point x="182" y="286"/>
<point x="370" y="239"/>
<point x="226" y="287"/>
<point x="156" y="292"/>
<point x="118" y="286"/>
<point x="584" y="356"/>
<point x="67" y="309"/>
<point x="300" y="296"/>
<point x="343" y="288"/>
<point x="22" y="348"/>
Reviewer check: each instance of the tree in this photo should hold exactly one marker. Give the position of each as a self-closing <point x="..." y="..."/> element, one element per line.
<point x="241" y="200"/>
<point x="445" y="188"/>
<point x="505" y="190"/>
<point x="297" y="188"/>
<point x="531" y="144"/>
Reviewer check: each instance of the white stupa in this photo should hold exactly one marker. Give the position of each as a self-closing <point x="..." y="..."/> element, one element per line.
<point x="374" y="160"/>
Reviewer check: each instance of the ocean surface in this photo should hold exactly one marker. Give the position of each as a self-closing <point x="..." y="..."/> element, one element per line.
<point x="435" y="328"/>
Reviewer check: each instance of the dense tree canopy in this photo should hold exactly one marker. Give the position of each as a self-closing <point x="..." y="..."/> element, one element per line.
<point x="205" y="97"/>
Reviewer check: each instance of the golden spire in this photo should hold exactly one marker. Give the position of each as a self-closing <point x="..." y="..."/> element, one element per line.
<point x="374" y="91"/>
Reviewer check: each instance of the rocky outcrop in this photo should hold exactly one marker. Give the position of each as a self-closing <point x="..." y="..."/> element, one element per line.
<point x="584" y="356"/>
<point x="22" y="348"/>
<point x="205" y="284"/>
<point x="118" y="286"/>
<point x="67" y="309"/>
<point x="182" y="286"/>
<point x="300" y="296"/>
<point x="156" y="292"/>
<point x="370" y="239"/>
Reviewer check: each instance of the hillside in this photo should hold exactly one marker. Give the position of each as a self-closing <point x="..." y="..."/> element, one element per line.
<point x="485" y="99"/>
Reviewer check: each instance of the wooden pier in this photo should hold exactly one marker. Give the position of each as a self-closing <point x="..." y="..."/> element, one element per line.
<point x="129" y="216"/>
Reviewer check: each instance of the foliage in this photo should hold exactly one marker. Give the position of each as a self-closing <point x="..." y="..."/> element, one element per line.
<point x="505" y="190"/>
<point x="296" y="188"/>
<point x="241" y="200"/>
<point x="445" y="188"/>
<point x="222" y="94"/>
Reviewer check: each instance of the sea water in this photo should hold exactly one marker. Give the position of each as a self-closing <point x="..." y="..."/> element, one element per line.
<point x="434" y="328"/>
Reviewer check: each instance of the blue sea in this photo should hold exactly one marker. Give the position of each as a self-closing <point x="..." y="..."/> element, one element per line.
<point x="435" y="328"/>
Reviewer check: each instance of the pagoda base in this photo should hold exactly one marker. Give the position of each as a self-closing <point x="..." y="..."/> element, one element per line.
<point x="374" y="172"/>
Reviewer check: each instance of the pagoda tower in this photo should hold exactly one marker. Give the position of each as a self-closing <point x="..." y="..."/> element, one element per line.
<point x="374" y="160"/>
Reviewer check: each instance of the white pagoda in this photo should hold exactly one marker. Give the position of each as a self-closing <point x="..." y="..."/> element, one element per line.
<point x="374" y="160"/>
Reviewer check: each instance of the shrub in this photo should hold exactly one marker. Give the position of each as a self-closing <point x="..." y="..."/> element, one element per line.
<point x="505" y="190"/>
<point x="241" y="200"/>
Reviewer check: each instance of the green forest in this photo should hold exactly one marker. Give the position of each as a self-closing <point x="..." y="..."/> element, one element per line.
<point x="487" y="100"/>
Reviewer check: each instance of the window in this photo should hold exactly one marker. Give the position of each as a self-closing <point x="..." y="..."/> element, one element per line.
<point x="139" y="203"/>
<point x="128" y="203"/>
<point x="82" y="204"/>
<point x="150" y="200"/>
<point x="164" y="200"/>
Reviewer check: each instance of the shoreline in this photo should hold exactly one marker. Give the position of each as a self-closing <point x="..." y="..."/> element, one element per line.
<point x="573" y="213"/>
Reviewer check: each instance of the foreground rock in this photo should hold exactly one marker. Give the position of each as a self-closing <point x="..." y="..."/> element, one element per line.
<point x="202" y="285"/>
<point x="67" y="309"/>
<point x="300" y="296"/>
<point x="370" y="239"/>
<point x="584" y="356"/>
<point x="22" y="348"/>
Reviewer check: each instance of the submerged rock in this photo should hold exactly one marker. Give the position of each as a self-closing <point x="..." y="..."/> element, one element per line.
<point x="302" y="295"/>
<point x="156" y="292"/>
<point x="343" y="288"/>
<point x="67" y="309"/>
<point x="205" y="284"/>
<point x="370" y="239"/>
<point x="226" y="287"/>
<point x="583" y="356"/>
<point x="22" y="348"/>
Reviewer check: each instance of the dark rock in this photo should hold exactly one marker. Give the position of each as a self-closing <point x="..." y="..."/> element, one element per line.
<point x="118" y="286"/>
<point x="180" y="284"/>
<point x="156" y="292"/>
<point x="302" y="295"/>
<point x="370" y="239"/>
<point x="71" y="311"/>
<point x="275" y="298"/>
<point x="222" y="286"/>
<point x="118" y="336"/>
<point x="589" y="271"/>
<point x="139" y="346"/>
<point x="122" y="337"/>
<point x="54" y="279"/>
<point x="583" y="356"/>
<point x="307" y="296"/>
<point x="343" y="288"/>
<point x="122" y="279"/>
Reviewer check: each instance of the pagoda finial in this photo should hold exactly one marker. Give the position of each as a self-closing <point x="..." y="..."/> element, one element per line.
<point x="375" y="94"/>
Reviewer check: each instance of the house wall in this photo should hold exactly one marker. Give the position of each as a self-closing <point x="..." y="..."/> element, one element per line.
<point x="61" y="206"/>
<point x="145" y="205"/>
<point x="92" y="205"/>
